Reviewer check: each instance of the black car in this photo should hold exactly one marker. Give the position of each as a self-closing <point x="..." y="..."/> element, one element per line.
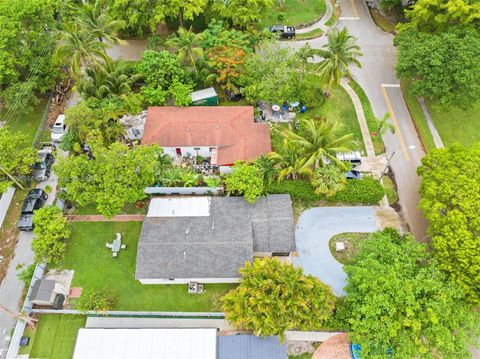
<point x="353" y="174"/>
<point x="34" y="200"/>
<point x="287" y="32"/>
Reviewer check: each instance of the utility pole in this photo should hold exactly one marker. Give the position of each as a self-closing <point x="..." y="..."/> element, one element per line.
<point x="20" y="316"/>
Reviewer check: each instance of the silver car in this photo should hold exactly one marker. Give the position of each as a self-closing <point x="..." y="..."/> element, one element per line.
<point x="43" y="166"/>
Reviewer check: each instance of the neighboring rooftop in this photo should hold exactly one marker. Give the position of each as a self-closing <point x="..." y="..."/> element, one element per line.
<point x="250" y="347"/>
<point x="214" y="245"/>
<point x="230" y="128"/>
<point x="42" y="290"/>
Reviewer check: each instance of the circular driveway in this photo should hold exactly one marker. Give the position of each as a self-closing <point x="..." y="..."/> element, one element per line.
<point x="314" y="229"/>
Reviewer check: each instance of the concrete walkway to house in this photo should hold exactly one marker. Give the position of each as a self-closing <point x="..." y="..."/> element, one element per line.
<point x="320" y="24"/>
<point x="100" y="218"/>
<point x="315" y="228"/>
<point x="437" y="140"/>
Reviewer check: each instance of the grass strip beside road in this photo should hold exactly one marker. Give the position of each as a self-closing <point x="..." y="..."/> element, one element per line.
<point x="294" y="12"/>
<point x="382" y="22"/>
<point x="418" y="117"/>
<point x="309" y="35"/>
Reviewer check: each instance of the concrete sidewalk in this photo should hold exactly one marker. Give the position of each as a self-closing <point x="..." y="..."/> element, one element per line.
<point x="320" y="24"/>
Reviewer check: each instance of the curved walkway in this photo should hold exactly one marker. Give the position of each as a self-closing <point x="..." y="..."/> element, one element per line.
<point x="315" y="228"/>
<point x="320" y="24"/>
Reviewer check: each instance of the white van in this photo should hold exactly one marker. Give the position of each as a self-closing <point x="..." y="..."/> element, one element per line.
<point x="59" y="129"/>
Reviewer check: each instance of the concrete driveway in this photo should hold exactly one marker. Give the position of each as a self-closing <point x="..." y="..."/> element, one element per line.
<point x="315" y="228"/>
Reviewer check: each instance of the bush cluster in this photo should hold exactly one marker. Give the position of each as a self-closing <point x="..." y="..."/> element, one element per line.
<point x="365" y="191"/>
<point x="297" y="189"/>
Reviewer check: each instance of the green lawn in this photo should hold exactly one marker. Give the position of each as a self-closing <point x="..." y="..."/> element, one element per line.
<point x="95" y="268"/>
<point x="309" y="35"/>
<point x="352" y="243"/>
<point x="339" y="108"/>
<point x="54" y="337"/>
<point x="378" y="145"/>
<point x="418" y="118"/>
<point x="294" y="12"/>
<point x="390" y="190"/>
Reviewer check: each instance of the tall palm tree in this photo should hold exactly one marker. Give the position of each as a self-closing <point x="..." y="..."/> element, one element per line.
<point x="78" y="47"/>
<point x="328" y="180"/>
<point x="318" y="141"/>
<point x="383" y="126"/>
<point x="340" y="51"/>
<point x="94" y="17"/>
<point x="187" y="46"/>
<point x="290" y="162"/>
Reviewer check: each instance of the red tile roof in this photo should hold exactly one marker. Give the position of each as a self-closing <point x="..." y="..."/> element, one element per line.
<point x="336" y="347"/>
<point x="230" y="128"/>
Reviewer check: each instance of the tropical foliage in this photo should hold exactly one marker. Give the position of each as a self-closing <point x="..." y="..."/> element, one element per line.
<point x="399" y="301"/>
<point x="100" y="300"/>
<point x="360" y="191"/>
<point x="245" y="180"/>
<point x="242" y="13"/>
<point x="274" y="297"/>
<point x="329" y="180"/>
<point x="187" y="47"/>
<point x="450" y="202"/>
<point x="51" y="232"/>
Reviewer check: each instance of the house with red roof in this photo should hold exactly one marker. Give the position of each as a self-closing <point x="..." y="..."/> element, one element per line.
<point x="222" y="134"/>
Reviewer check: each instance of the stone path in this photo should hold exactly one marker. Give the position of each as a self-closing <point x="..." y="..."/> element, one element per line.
<point x="320" y="24"/>
<point x="100" y="218"/>
<point x="437" y="140"/>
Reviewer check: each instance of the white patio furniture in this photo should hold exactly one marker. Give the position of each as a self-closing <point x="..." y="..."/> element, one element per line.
<point x="108" y="245"/>
<point x="340" y="246"/>
<point x="116" y="245"/>
<point x="123" y="246"/>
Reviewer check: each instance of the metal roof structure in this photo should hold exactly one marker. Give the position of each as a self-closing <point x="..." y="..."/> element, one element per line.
<point x="146" y="343"/>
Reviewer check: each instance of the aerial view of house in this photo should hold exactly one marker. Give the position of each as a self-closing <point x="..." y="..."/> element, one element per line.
<point x="241" y="179"/>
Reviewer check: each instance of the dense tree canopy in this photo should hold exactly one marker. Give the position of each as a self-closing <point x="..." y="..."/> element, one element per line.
<point x="450" y="192"/>
<point x="246" y="179"/>
<point x="399" y="301"/>
<point x="444" y="67"/>
<point x="115" y="176"/>
<point x="242" y="12"/>
<point x="274" y="297"/>
<point x="16" y="158"/>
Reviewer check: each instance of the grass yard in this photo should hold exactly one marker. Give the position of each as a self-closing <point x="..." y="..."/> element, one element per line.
<point x="309" y="35"/>
<point x="378" y="145"/>
<point x="456" y="125"/>
<point x="95" y="268"/>
<point x="418" y="117"/>
<point x="54" y="337"/>
<point x="294" y="12"/>
<point x="352" y="243"/>
<point x="390" y="190"/>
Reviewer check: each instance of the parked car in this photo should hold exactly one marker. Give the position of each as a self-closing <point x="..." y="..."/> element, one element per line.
<point x="43" y="166"/>
<point x="353" y="175"/>
<point x="34" y="200"/>
<point x="59" y="128"/>
<point x="354" y="157"/>
<point x="286" y="32"/>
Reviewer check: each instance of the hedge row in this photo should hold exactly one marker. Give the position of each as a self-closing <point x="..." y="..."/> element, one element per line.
<point x="364" y="191"/>
<point x="297" y="189"/>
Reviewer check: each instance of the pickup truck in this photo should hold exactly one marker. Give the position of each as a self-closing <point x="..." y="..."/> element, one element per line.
<point x="286" y="32"/>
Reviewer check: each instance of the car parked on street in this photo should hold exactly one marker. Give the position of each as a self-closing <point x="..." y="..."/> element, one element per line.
<point x="353" y="175"/>
<point x="59" y="129"/>
<point x="43" y="166"/>
<point x="286" y="32"/>
<point x="35" y="199"/>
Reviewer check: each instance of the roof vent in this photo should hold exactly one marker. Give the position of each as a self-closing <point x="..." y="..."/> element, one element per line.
<point x="188" y="130"/>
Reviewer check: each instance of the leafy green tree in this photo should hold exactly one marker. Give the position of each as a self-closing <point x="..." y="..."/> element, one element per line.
<point x="111" y="78"/>
<point x="115" y="176"/>
<point x="154" y="96"/>
<point x="245" y="180"/>
<point x="181" y="93"/>
<point x="383" y="125"/>
<point x="329" y="180"/>
<point x="290" y="162"/>
<point x="242" y="13"/>
<point x="100" y="300"/>
<point x="267" y="166"/>
<point x="95" y="18"/>
<point x="443" y="67"/>
<point x="227" y="63"/>
<point x="17" y="157"/>
<point x="399" y="301"/>
<point x="274" y="74"/>
<point x="338" y="54"/>
<point x="274" y="297"/>
<point x="51" y="232"/>
<point x="19" y="99"/>
<point x="318" y="141"/>
<point x="450" y="202"/>
<point x="187" y="46"/>
<point x="218" y="35"/>
<point x="442" y="15"/>
<point x="79" y="46"/>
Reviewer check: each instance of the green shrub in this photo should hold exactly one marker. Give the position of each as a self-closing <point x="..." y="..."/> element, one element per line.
<point x="26" y="275"/>
<point x="100" y="300"/>
<point x="297" y="189"/>
<point x="365" y="191"/>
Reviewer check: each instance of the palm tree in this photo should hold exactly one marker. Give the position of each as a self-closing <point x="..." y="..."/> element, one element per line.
<point x="187" y="46"/>
<point x="318" y="141"/>
<point x="383" y="125"/>
<point x="290" y="162"/>
<point x="111" y="78"/>
<point x="78" y="47"/>
<point x="339" y="52"/>
<point x="328" y="180"/>
<point x="93" y="16"/>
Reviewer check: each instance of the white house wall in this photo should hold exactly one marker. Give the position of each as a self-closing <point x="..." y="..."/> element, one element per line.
<point x="188" y="280"/>
<point x="203" y="151"/>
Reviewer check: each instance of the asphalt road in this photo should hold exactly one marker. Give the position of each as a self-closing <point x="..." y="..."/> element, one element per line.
<point x="378" y="79"/>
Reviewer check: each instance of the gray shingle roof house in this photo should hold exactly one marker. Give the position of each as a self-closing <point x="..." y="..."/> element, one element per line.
<point x="250" y="347"/>
<point x="207" y="239"/>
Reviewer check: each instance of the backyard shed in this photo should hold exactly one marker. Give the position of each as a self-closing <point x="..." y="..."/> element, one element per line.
<point x="47" y="293"/>
<point x="205" y="97"/>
